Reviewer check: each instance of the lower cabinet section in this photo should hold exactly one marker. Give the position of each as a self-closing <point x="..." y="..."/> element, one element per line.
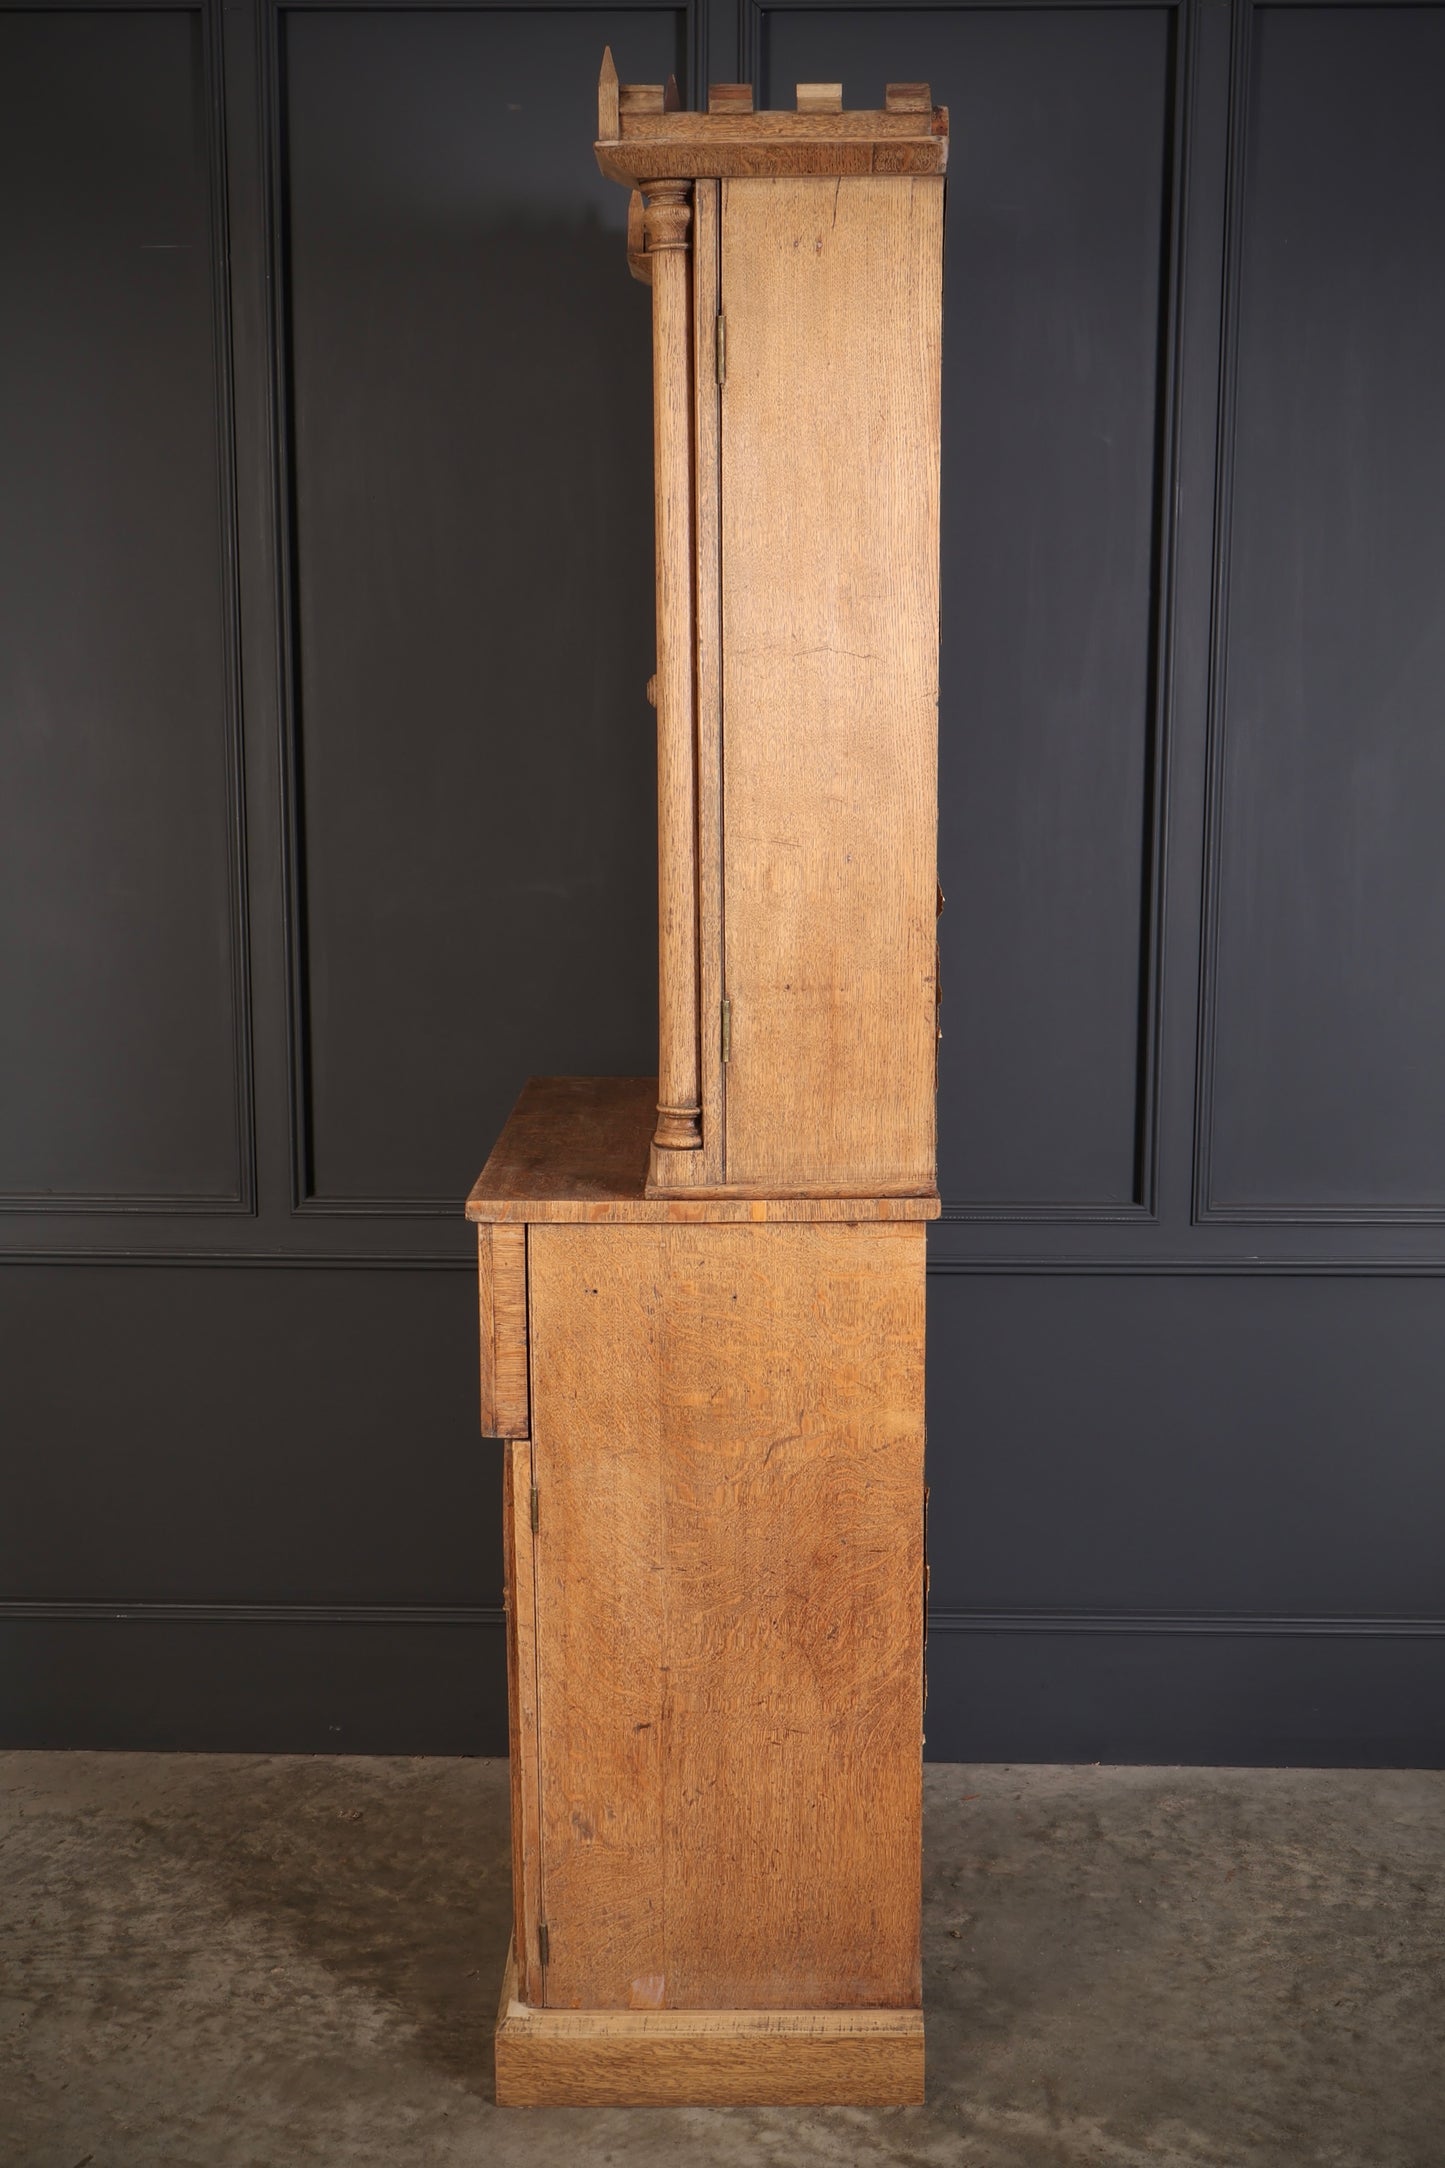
<point x="715" y="1597"/>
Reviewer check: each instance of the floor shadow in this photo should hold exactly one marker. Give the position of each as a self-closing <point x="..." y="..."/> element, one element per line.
<point x="394" y="1875"/>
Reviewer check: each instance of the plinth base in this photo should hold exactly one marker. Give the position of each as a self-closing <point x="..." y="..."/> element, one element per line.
<point x="705" y="2058"/>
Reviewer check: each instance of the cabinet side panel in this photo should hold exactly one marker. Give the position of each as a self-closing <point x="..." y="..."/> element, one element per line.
<point x="729" y="1428"/>
<point x="832" y="294"/>
<point x="793" y="1399"/>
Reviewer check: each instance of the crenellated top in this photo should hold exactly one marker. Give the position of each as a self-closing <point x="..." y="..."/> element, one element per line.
<point x="644" y="135"/>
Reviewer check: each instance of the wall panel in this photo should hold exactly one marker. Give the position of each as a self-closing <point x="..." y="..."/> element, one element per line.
<point x="1274" y="1698"/>
<point x="470" y="497"/>
<point x="1229" y="1444"/>
<point x="1327" y="1051"/>
<point x="1057" y="286"/>
<point x="245" y="1434"/>
<point x="123" y="1059"/>
<point x="323" y="1683"/>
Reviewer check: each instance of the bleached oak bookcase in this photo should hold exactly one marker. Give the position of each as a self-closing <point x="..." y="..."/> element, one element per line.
<point x="702" y="1294"/>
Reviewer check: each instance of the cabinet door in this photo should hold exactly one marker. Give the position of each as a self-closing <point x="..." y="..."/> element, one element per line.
<point x="728" y="1440"/>
<point x="831" y="292"/>
<point x="518" y="1565"/>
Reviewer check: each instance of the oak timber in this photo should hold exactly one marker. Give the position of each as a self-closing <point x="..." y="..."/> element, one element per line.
<point x="907" y="98"/>
<point x="520" y="1600"/>
<point x="502" y="1300"/>
<point x="707" y="455"/>
<point x="728" y="1453"/>
<point x="613" y="2058"/>
<point x="609" y="98"/>
<point x="819" y="97"/>
<point x="699" y="853"/>
<point x="735" y="144"/>
<point x="576" y="1149"/>
<point x="830" y="463"/>
<point x="637" y="261"/>
<point x="667" y="217"/>
<point x="729" y="98"/>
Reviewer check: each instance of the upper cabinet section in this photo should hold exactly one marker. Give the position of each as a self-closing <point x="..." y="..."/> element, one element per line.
<point x="795" y="261"/>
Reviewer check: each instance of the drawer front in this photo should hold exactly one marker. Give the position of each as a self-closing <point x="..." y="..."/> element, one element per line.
<point x="502" y="1290"/>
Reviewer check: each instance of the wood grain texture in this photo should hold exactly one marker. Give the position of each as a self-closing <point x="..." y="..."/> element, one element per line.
<point x="830" y="467"/>
<point x="486" y="1332"/>
<point x="823" y="158"/>
<point x="819" y="97"/>
<point x="602" y="1641"/>
<point x="732" y="143"/>
<point x="617" y="2058"/>
<point x="502" y="1308"/>
<point x="520" y="1601"/>
<point x="641" y="270"/>
<point x="783" y="126"/>
<point x="707" y="633"/>
<point x="609" y="99"/>
<point x="728" y="1450"/>
<point x="666" y="221"/>
<point x="730" y="97"/>
<point x="575" y="1148"/>
<point x="672" y="1172"/>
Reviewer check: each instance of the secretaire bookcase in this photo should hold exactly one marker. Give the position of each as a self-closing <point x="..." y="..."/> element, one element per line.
<point x="701" y="1295"/>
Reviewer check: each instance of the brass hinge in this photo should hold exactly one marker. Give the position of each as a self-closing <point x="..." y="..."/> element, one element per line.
<point x="727" y="1030"/>
<point x="722" y="350"/>
<point x="544" y="1942"/>
<point x="535" y="1515"/>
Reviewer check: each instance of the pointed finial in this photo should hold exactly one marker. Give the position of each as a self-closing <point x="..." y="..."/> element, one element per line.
<point x="671" y="96"/>
<point x="609" y="124"/>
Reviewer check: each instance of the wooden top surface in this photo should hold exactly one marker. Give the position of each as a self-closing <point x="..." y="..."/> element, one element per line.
<point x="757" y="146"/>
<point x="576" y="1148"/>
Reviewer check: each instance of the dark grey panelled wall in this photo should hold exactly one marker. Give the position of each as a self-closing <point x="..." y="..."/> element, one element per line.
<point x="325" y="818"/>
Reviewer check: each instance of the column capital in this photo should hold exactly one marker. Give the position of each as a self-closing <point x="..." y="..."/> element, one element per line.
<point x="668" y="214"/>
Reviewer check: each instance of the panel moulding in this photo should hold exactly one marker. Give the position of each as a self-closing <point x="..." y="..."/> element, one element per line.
<point x="241" y="1200"/>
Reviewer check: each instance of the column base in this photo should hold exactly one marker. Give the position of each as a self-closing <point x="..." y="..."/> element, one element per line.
<point x="705" y="2058"/>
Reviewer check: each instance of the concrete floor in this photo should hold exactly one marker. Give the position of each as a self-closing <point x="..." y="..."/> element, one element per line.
<point x="225" y="1962"/>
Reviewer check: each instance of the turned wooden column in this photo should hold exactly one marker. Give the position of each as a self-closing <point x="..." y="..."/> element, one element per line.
<point x="666" y="221"/>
